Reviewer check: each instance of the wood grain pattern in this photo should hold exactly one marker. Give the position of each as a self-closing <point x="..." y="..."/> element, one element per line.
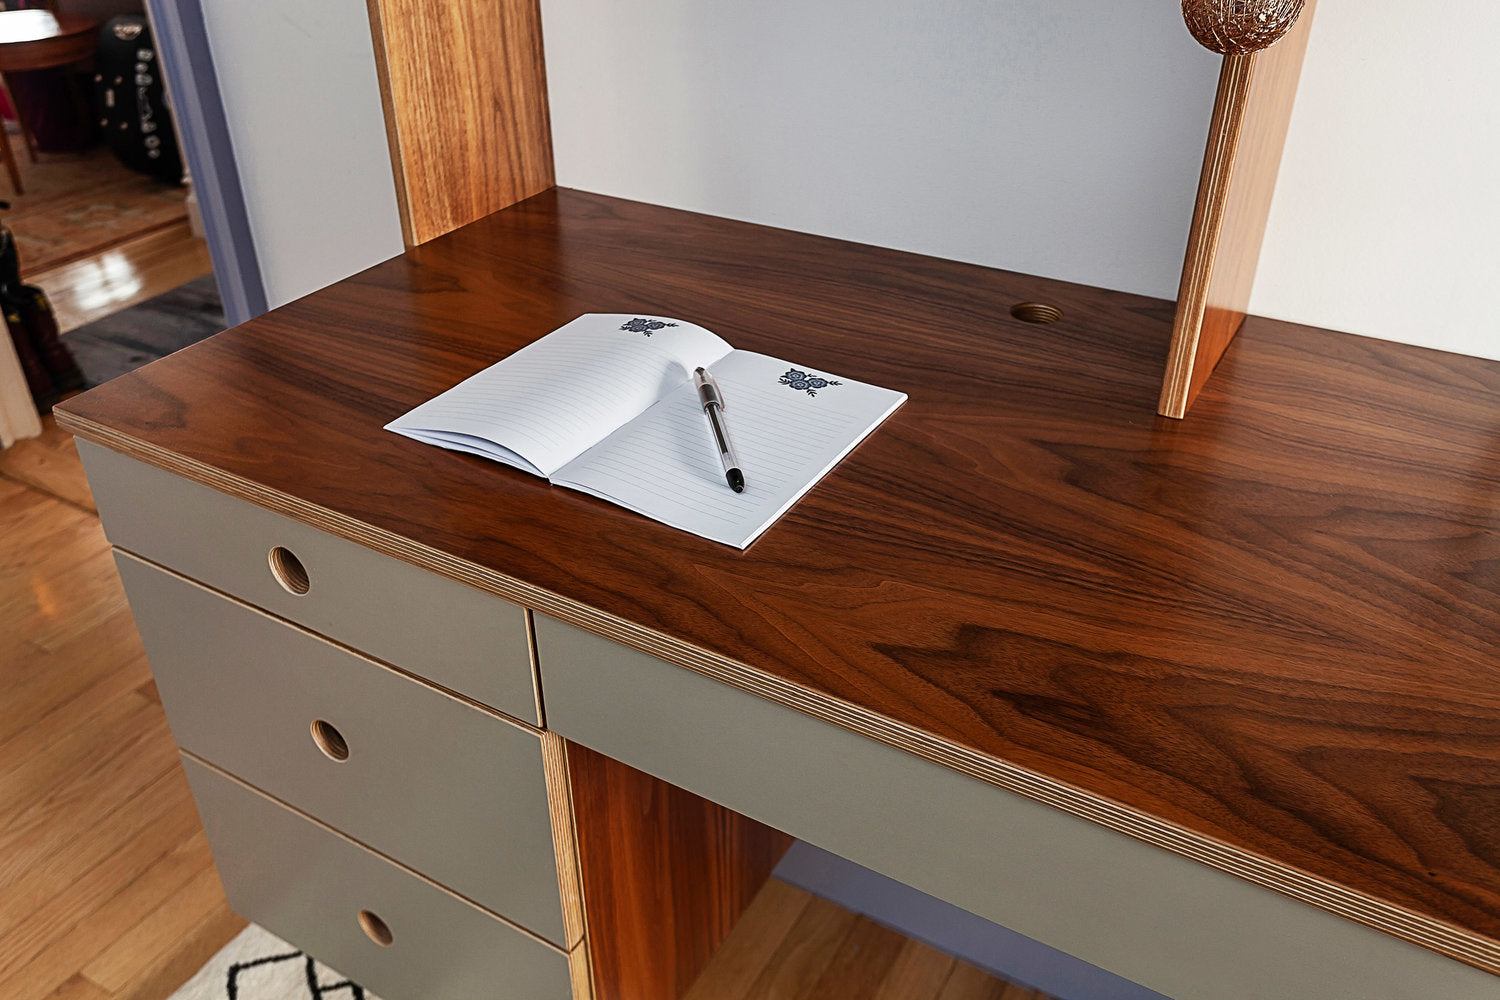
<point x="1264" y="638"/>
<point x="790" y="945"/>
<point x="569" y="871"/>
<point x="39" y="39"/>
<point x="465" y="97"/>
<point x="665" y="876"/>
<point x="1247" y="133"/>
<point x="82" y="291"/>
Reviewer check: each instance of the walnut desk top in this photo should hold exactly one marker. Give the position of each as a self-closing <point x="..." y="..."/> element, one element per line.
<point x="1265" y="637"/>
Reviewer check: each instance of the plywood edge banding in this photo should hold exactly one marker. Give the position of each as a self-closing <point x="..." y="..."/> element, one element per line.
<point x="581" y="972"/>
<point x="1242" y="158"/>
<point x="1224" y="132"/>
<point x="1440" y="936"/>
<point x="564" y="837"/>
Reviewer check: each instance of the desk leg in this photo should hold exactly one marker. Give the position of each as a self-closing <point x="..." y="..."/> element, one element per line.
<point x="665" y="875"/>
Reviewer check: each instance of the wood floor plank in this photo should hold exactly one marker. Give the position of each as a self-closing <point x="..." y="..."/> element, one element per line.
<point x="791" y="945"/>
<point x="749" y="948"/>
<point x="49" y="466"/>
<point x="141" y="950"/>
<point x="33" y="525"/>
<point x="969" y="983"/>
<point x="65" y="598"/>
<point x="57" y="579"/>
<point x="860" y="965"/>
<point x="52" y="919"/>
<point x="79" y="988"/>
<point x="184" y="957"/>
<point x="804" y="953"/>
<point x="49" y="693"/>
<point x="98" y="831"/>
<point x="76" y="783"/>
<point x="62" y="956"/>
<point x="918" y="973"/>
<point x="95" y="287"/>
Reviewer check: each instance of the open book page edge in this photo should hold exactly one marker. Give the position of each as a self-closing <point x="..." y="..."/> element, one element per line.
<point x="792" y="502"/>
<point x="488" y="438"/>
<point x="469" y="444"/>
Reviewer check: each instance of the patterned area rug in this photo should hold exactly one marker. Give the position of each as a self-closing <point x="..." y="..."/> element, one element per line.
<point x="116" y="344"/>
<point x="75" y="206"/>
<point x="257" y="965"/>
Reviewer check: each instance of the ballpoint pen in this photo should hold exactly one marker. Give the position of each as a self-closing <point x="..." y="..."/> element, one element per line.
<point x="713" y="407"/>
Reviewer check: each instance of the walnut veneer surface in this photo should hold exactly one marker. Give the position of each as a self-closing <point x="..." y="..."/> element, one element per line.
<point x="1264" y="637"/>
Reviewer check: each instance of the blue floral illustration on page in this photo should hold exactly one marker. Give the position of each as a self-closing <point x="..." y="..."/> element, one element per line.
<point x="646" y="326"/>
<point x="806" y="381"/>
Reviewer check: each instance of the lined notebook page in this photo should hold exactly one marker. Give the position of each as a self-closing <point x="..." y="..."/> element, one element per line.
<point x="547" y="403"/>
<point x="663" y="463"/>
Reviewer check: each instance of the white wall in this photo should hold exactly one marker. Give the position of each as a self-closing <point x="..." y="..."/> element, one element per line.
<point x="1386" y="220"/>
<point x="303" y="102"/>
<point x="1057" y="137"/>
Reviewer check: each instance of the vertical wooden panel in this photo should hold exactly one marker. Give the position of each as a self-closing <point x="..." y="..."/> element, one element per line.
<point x="465" y="94"/>
<point x="665" y="876"/>
<point x="1245" y="140"/>
<point x="565" y="848"/>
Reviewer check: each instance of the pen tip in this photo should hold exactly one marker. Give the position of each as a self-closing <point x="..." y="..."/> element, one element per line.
<point x="736" y="480"/>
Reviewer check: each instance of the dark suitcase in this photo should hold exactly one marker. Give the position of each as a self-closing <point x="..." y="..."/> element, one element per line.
<point x="131" y="99"/>
<point x="51" y="373"/>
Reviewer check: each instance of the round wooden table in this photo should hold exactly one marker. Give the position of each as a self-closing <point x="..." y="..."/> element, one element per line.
<point x="40" y="39"/>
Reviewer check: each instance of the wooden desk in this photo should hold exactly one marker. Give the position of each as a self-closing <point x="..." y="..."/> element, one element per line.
<point x="1236" y="674"/>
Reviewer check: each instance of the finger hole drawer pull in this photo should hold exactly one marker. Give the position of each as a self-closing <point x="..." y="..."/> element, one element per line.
<point x="375" y="929"/>
<point x="330" y="740"/>
<point x="289" y="571"/>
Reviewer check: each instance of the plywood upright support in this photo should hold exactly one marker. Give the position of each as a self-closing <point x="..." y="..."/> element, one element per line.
<point x="1246" y="136"/>
<point x="465" y="95"/>
<point x="665" y="875"/>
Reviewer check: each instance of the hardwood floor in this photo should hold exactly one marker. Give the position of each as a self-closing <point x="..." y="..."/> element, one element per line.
<point x="791" y="945"/>
<point x="89" y="289"/>
<point x="108" y="887"/>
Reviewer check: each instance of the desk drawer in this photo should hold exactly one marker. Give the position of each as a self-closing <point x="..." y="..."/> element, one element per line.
<point x="310" y="886"/>
<point x="1153" y="916"/>
<point x="455" y="636"/>
<point x="440" y="785"/>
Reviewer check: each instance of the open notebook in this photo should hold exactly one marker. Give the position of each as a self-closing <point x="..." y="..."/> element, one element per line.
<point x="607" y="405"/>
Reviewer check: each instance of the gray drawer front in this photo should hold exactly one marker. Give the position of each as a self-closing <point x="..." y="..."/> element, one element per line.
<point x="455" y="636"/>
<point x="1157" y="918"/>
<point x="442" y="786"/>
<point x="308" y="885"/>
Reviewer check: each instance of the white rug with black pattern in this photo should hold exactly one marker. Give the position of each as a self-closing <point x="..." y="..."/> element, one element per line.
<point x="257" y="965"/>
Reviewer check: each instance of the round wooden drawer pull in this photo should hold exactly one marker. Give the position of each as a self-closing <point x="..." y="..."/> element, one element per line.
<point x="330" y="740"/>
<point x="375" y="929"/>
<point x="289" y="571"/>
